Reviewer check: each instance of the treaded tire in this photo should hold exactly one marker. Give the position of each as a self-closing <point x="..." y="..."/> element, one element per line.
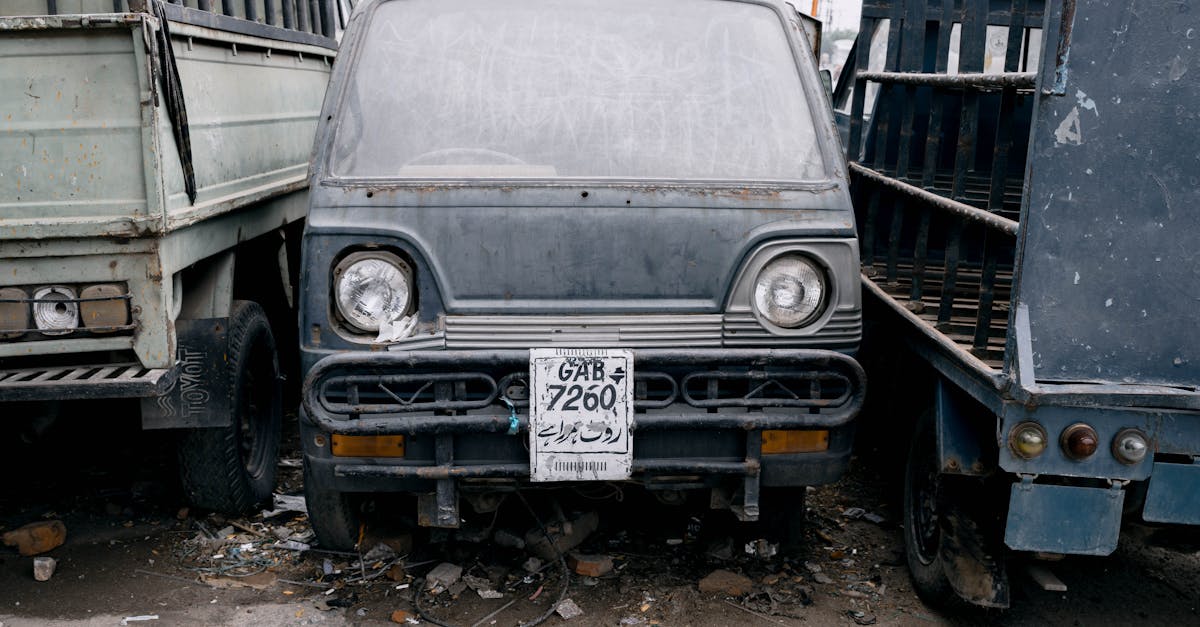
<point x="232" y="469"/>
<point x="334" y="515"/>
<point x="923" y="554"/>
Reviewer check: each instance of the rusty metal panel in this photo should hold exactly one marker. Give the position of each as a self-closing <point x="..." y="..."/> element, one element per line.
<point x="1109" y="265"/>
<point x="70" y="129"/>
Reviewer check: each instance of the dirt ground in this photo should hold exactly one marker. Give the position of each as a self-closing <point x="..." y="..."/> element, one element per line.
<point x="134" y="551"/>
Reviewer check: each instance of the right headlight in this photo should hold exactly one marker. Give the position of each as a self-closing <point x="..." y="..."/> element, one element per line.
<point x="371" y="288"/>
<point x="790" y="291"/>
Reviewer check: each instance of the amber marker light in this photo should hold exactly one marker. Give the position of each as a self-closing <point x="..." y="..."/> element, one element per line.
<point x="775" y="442"/>
<point x="1079" y="441"/>
<point x="368" y="445"/>
<point x="1027" y="440"/>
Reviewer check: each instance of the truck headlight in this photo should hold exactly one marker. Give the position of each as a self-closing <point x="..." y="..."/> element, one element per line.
<point x="55" y="310"/>
<point x="371" y="288"/>
<point x="790" y="291"/>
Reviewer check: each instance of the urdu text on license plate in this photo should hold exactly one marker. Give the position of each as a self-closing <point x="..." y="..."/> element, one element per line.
<point x="580" y="414"/>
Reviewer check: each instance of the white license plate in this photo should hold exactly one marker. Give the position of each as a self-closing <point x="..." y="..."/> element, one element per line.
<point x="580" y="414"/>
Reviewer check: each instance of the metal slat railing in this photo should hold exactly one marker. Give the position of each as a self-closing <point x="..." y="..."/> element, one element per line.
<point x="933" y="174"/>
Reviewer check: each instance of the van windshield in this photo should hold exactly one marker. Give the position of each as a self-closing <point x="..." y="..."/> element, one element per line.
<point x="627" y="89"/>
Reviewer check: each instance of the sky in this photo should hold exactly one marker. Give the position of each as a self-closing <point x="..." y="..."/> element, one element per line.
<point x="844" y="14"/>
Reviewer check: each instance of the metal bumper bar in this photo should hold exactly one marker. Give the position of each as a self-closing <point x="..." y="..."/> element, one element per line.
<point x="440" y="392"/>
<point x="129" y="380"/>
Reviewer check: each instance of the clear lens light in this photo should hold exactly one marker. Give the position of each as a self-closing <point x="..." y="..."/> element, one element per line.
<point x="371" y="291"/>
<point x="1130" y="446"/>
<point x="790" y="291"/>
<point x="56" y="315"/>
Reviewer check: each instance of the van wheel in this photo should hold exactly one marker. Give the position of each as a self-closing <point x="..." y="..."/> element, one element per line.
<point x="232" y="469"/>
<point x="334" y="516"/>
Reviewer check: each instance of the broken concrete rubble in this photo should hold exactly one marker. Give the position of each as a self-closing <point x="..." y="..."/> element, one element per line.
<point x="726" y="582"/>
<point x="37" y="537"/>
<point x="590" y="565"/>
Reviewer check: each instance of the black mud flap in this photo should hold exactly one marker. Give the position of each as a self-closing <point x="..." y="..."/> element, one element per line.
<point x="200" y="396"/>
<point x="972" y="560"/>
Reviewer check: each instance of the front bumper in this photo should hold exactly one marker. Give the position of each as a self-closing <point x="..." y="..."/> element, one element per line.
<point x="129" y="380"/>
<point x="698" y="417"/>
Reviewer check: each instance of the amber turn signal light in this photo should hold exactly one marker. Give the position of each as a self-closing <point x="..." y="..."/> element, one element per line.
<point x="778" y="441"/>
<point x="368" y="445"/>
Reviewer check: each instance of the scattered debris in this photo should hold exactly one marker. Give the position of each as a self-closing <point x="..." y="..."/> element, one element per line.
<point x="442" y="577"/>
<point x="258" y="581"/>
<point x="590" y="565"/>
<point x="566" y="534"/>
<point x="43" y="568"/>
<point x="482" y="586"/>
<point x="726" y="582"/>
<point x="1046" y="579"/>
<point x="861" y="618"/>
<point x="532" y="565"/>
<point x="568" y="609"/>
<point x="284" y="503"/>
<point x="138" y="619"/>
<point x="401" y="617"/>
<point x="762" y="548"/>
<point x="37" y="537"/>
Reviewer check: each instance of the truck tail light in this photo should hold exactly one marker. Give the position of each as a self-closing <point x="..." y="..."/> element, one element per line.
<point x="368" y="445"/>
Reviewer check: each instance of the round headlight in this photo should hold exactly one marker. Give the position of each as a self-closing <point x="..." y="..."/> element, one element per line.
<point x="55" y="310"/>
<point x="790" y="291"/>
<point x="371" y="288"/>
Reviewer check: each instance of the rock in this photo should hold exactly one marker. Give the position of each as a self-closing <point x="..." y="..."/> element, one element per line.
<point x="726" y="582"/>
<point x="400" y="616"/>
<point x="568" y="609"/>
<point x="821" y="578"/>
<point x="573" y="534"/>
<point x="396" y="573"/>
<point x="590" y="565"/>
<point x="443" y="576"/>
<point x="532" y="565"/>
<point x="37" y="537"/>
<point x="43" y="568"/>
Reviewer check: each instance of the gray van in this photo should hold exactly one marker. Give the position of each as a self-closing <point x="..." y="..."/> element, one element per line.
<point x="576" y="241"/>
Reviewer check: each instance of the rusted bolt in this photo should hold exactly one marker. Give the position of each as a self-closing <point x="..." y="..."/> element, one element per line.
<point x="319" y="441"/>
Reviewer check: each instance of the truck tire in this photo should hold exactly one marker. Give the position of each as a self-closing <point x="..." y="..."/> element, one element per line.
<point x="922" y="533"/>
<point x="232" y="469"/>
<point x="943" y="520"/>
<point x="334" y="515"/>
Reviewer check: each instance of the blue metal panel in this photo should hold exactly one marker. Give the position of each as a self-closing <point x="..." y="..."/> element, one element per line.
<point x="1064" y="519"/>
<point x="963" y="429"/>
<point x="1174" y="494"/>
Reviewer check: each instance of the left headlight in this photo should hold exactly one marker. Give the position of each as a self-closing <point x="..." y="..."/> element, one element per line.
<point x="790" y="291"/>
<point x="371" y="288"/>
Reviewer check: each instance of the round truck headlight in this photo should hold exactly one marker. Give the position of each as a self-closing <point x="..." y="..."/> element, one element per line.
<point x="1130" y="446"/>
<point x="790" y="291"/>
<point x="371" y="288"/>
<point x="55" y="312"/>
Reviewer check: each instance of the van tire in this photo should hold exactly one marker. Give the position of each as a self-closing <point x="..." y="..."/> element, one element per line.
<point x="232" y="469"/>
<point x="334" y="515"/>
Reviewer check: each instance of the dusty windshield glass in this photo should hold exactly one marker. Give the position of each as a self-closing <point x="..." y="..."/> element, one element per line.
<point x="669" y="89"/>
